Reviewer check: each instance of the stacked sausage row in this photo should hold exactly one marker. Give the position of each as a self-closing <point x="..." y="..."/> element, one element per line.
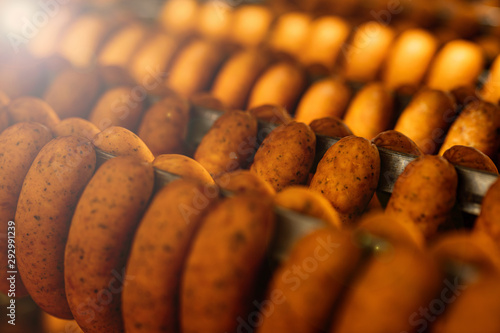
<point x="97" y="244"/>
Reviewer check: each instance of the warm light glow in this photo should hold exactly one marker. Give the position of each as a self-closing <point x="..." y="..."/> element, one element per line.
<point x="15" y="14"/>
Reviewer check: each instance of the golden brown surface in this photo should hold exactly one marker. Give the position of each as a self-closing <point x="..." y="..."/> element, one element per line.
<point x="458" y="63"/>
<point x="271" y="113"/>
<point x="330" y="126"/>
<point x="222" y="268"/>
<point x="286" y="155"/>
<point x="119" y="106"/>
<point x="304" y="290"/>
<point x="76" y="127"/>
<point x="73" y="93"/>
<point x="119" y="141"/>
<point x="475" y="307"/>
<point x="229" y="144"/>
<point x="19" y="145"/>
<point x="290" y="32"/>
<point x="348" y="175"/>
<point x="250" y="24"/>
<point x="244" y="181"/>
<point x="179" y="16"/>
<point x="490" y="91"/>
<point x="119" y="49"/>
<point x="161" y="244"/>
<point x="53" y="324"/>
<point x="477" y="126"/>
<point x="183" y="166"/>
<point x="46" y="203"/>
<point x="194" y="67"/>
<point x="324" y="42"/>
<point x="238" y="75"/>
<point x="371" y="111"/>
<point x="427" y="118"/>
<point x="470" y="157"/>
<point x="214" y="20"/>
<point x="307" y="202"/>
<point x="164" y="126"/>
<point x="115" y="76"/>
<point x="151" y="61"/>
<point x="99" y="241"/>
<point x="325" y="98"/>
<point x="365" y="54"/>
<point x="397" y="141"/>
<point x="24" y="109"/>
<point x="392" y="230"/>
<point x="281" y="84"/>
<point x="398" y="282"/>
<point x="424" y="193"/>
<point x="82" y="38"/>
<point x="471" y="248"/>
<point x="488" y="219"/>
<point x="409" y="59"/>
